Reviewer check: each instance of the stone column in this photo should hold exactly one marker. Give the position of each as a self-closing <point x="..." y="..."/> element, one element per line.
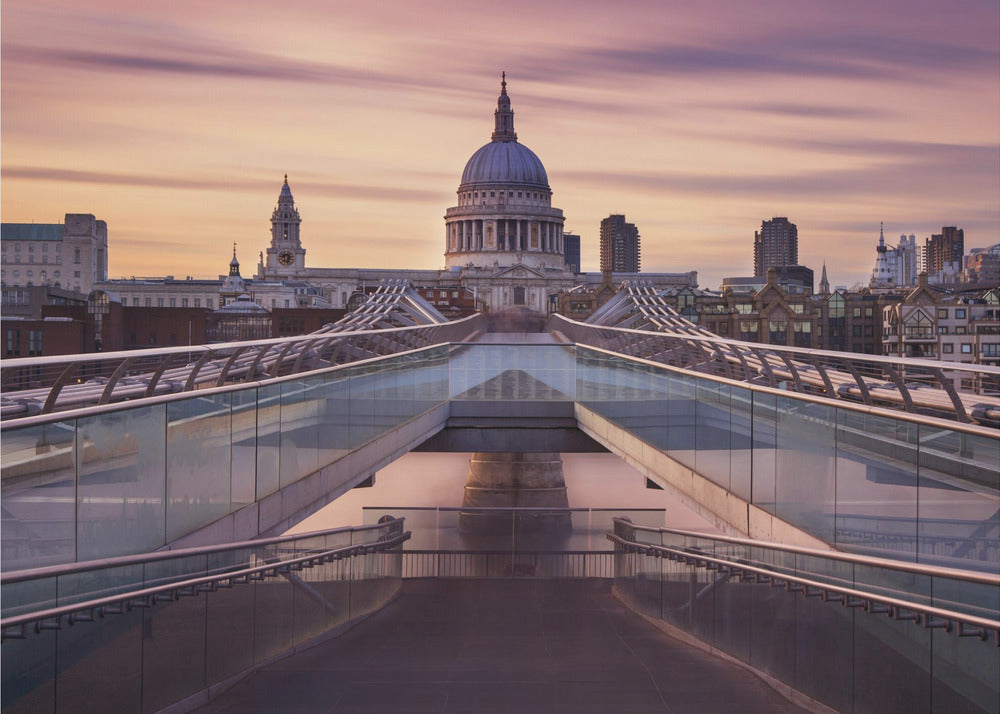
<point x="516" y="480"/>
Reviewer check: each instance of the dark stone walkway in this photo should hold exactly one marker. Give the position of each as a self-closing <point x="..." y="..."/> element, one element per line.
<point x="470" y="646"/>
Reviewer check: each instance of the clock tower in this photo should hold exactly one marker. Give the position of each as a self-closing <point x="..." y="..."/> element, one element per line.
<point x="285" y="255"/>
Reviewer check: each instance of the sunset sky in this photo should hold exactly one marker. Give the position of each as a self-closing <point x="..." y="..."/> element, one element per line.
<point x="175" y="122"/>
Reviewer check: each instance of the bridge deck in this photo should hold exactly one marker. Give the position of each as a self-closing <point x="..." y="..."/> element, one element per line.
<point x="502" y="646"/>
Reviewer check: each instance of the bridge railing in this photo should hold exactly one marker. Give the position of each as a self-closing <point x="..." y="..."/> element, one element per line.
<point x="127" y="478"/>
<point x="864" y="479"/>
<point x="853" y="632"/>
<point x="953" y="390"/>
<point x="141" y="634"/>
<point x="42" y="385"/>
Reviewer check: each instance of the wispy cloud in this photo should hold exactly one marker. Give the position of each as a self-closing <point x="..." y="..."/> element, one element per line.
<point x="235" y="185"/>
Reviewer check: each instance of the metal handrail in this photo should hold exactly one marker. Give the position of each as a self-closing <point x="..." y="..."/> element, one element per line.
<point x="926" y="389"/>
<point x="971" y="576"/>
<point x="876" y="410"/>
<point x="808" y="351"/>
<point x="40" y="419"/>
<point x="146" y="597"/>
<point x="82" y="566"/>
<point x="188" y="370"/>
<point x="848" y="597"/>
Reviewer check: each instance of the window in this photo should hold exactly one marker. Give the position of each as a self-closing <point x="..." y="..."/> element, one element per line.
<point x="991" y="350"/>
<point x="149" y="302"/>
<point x="197" y="302"/>
<point x="947" y="348"/>
<point x="836" y="305"/>
<point x="960" y="313"/>
<point x="135" y="303"/>
<point x="942" y="330"/>
<point x="184" y="302"/>
<point x="966" y="349"/>
<point x="856" y="312"/>
<point x="76" y="273"/>
<point x="942" y="313"/>
<point x="798" y="308"/>
<point x="803" y="333"/>
<point x="76" y="256"/>
<point x="960" y="330"/>
<point x="744" y="308"/>
<point x="173" y="302"/>
<point x="856" y="330"/>
<point x="13" y="343"/>
<point x="159" y="302"/>
<point x="748" y="330"/>
<point x="34" y="343"/>
<point x="208" y="303"/>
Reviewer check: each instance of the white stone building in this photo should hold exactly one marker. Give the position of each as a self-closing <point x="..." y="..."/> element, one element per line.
<point x="72" y="255"/>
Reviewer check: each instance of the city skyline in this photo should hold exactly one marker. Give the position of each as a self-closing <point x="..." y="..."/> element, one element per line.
<point x="175" y="125"/>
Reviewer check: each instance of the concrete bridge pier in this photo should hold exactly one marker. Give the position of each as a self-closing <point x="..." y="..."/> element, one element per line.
<point x="516" y="480"/>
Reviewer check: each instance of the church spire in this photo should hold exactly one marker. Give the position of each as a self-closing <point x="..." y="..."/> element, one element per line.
<point x="234" y="264"/>
<point x="824" y="284"/>
<point x="503" y="116"/>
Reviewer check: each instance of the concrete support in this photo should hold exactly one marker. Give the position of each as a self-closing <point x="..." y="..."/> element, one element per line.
<point x="516" y="480"/>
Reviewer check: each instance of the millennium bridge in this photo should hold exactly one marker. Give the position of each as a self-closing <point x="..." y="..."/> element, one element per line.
<point x="147" y="495"/>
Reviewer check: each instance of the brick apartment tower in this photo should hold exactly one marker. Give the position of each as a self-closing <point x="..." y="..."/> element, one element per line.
<point x="776" y="245"/>
<point x="619" y="245"/>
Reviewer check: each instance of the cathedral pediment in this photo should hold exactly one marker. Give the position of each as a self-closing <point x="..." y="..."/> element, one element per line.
<point x="520" y="271"/>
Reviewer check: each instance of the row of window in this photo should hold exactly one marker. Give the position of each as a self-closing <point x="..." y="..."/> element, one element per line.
<point x="173" y="302"/>
<point x="31" y="247"/>
<point x="493" y="194"/>
<point x="45" y="249"/>
<point x="45" y="259"/>
<point x="942" y="313"/>
<point x="14" y="343"/>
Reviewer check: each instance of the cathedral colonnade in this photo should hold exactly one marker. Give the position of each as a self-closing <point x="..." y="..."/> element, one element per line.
<point x="474" y="235"/>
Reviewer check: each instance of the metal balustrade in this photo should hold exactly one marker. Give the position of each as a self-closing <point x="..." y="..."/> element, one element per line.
<point x="192" y="620"/>
<point x="952" y="390"/>
<point x="43" y="385"/>
<point x="856" y="633"/>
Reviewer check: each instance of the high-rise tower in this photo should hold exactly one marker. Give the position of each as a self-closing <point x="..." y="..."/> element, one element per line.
<point x="620" y="252"/>
<point x="775" y="246"/>
<point x="944" y="251"/>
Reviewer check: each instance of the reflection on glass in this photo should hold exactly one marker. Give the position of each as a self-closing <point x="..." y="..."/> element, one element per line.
<point x="121" y="460"/>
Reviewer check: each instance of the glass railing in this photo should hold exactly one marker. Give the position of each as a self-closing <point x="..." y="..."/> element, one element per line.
<point x="475" y="542"/>
<point x="141" y="634"/>
<point x="893" y="484"/>
<point x="125" y="479"/>
<point x="852" y="632"/>
<point x="114" y="480"/>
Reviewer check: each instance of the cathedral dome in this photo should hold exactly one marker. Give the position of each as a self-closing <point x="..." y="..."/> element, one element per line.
<point x="504" y="162"/>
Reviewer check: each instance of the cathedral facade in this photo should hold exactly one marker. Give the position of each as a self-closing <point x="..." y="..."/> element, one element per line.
<point x="503" y="239"/>
<point x="503" y="243"/>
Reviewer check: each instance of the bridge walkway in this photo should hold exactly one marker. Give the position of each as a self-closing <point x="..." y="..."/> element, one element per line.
<point x="482" y="645"/>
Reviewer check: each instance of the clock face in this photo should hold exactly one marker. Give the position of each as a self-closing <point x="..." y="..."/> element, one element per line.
<point x="286" y="257"/>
